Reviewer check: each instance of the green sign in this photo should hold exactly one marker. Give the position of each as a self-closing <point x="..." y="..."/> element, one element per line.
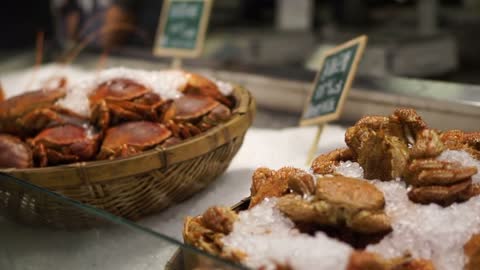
<point x="333" y="82"/>
<point x="182" y="27"/>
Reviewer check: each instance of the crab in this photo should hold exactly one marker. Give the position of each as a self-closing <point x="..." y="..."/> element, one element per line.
<point x="190" y="115"/>
<point x="472" y="251"/>
<point x="201" y="86"/>
<point x="26" y="114"/>
<point x="326" y="163"/>
<point x="121" y="99"/>
<point x="206" y="231"/>
<point x="14" y="153"/>
<point x="402" y="146"/>
<point x="270" y="183"/>
<point x="64" y="144"/>
<point x="459" y="140"/>
<point x="364" y="260"/>
<point x="132" y="138"/>
<point x="339" y="201"/>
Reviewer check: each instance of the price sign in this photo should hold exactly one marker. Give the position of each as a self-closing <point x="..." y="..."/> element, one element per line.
<point x="333" y="82"/>
<point x="182" y="28"/>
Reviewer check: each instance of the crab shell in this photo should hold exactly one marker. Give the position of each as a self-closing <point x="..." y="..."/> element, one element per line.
<point x="189" y="115"/>
<point x="15" y="110"/>
<point x="123" y="100"/>
<point x="199" y="85"/>
<point x="14" y="153"/>
<point x="339" y="201"/>
<point x="131" y="138"/>
<point x="64" y="144"/>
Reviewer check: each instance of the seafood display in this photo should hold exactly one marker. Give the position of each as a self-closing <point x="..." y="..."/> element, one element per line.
<point x="117" y="113"/>
<point x="401" y="195"/>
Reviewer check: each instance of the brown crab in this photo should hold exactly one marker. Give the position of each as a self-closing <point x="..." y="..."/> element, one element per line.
<point x="206" y="231"/>
<point x="364" y="260"/>
<point x="132" y="138"/>
<point x="121" y="99"/>
<point x="14" y="153"/>
<point x="32" y="111"/>
<point x="64" y="144"/>
<point x="192" y="114"/>
<point x="268" y="183"/>
<point x="200" y="86"/>
<point x="339" y="201"/>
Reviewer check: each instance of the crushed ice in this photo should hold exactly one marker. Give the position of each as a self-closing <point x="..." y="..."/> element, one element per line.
<point x="268" y="237"/>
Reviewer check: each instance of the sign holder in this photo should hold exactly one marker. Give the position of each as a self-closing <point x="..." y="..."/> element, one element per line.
<point x="331" y="86"/>
<point x="171" y="39"/>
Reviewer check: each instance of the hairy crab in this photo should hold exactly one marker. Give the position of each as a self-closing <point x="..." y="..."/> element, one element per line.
<point x="459" y="140"/>
<point x="206" y="231"/>
<point x="131" y="138"/>
<point x="64" y="144"/>
<point x="401" y="146"/>
<point x="270" y="183"/>
<point x="338" y="201"/>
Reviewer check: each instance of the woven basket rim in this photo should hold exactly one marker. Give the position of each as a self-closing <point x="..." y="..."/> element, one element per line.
<point x="157" y="158"/>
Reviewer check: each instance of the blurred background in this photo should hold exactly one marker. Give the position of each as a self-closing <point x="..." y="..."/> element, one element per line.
<point x="422" y="39"/>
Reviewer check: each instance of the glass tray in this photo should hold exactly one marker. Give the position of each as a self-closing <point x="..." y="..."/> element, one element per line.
<point x="115" y="244"/>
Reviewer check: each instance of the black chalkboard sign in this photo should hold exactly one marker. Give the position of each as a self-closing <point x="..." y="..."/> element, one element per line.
<point x="332" y="83"/>
<point x="181" y="32"/>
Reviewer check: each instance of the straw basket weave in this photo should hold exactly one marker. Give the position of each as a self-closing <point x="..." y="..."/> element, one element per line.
<point x="132" y="187"/>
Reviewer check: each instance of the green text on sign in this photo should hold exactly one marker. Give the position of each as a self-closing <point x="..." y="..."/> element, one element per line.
<point x="183" y="24"/>
<point x="331" y="83"/>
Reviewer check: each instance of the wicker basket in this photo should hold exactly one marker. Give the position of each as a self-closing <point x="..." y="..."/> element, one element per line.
<point x="132" y="187"/>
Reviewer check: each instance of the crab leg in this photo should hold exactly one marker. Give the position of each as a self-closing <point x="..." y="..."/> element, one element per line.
<point x="426" y="172"/>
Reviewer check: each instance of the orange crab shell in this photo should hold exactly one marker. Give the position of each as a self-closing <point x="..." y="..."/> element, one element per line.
<point x="64" y="144"/>
<point x="118" y="89"/>
<point x="193" y="106"/>
<point x="124" y="99"/>
<point x="199" y="85"/>
<point x="131" y="138"/>
<point x="14" y="109"/>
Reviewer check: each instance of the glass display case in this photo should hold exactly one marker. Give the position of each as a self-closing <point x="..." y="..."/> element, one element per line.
<point x="110" y="243"/>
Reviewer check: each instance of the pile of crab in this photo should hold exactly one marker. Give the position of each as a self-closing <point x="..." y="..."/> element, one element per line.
<point x="391" y="200"/>
<point x="111" y="115"/>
